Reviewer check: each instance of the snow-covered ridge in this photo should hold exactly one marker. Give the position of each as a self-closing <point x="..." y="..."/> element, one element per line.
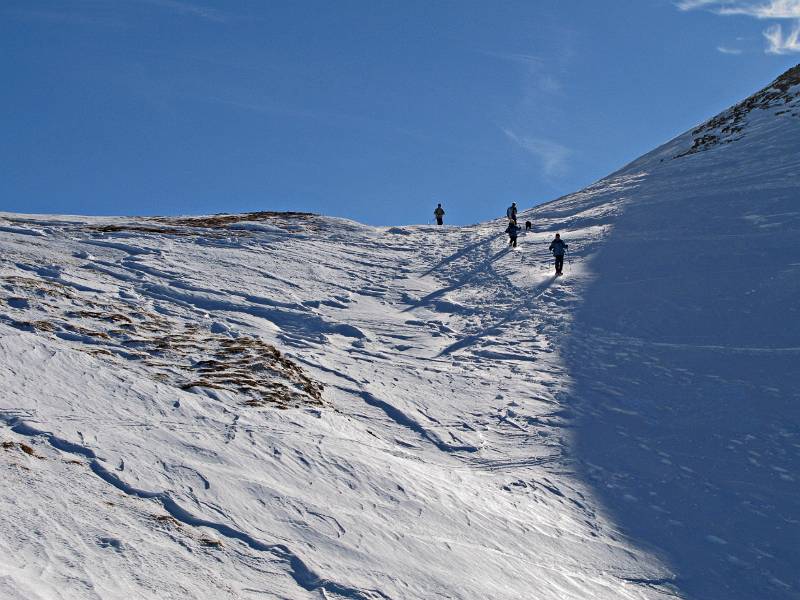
<point x="782" y="95"/>
<point x="284" y="405"/>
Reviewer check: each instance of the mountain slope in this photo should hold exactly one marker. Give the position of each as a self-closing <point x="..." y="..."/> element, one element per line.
<point x="685" y="354"/>
<point x="291" y="406"/>
<point x="138" y="363"/>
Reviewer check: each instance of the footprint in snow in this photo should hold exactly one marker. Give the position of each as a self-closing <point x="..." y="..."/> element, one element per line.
<point x="109" y="542"/>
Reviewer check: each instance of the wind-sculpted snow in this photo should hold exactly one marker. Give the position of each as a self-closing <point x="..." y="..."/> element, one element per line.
<point x="304" y="577"/>
<point x="387" y="459"/>
<point x="283" y="405"/>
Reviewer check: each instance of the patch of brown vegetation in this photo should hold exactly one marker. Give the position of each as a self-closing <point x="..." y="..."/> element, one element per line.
<point x="257" y="370"/>
<point x="193" y="357"/>
<point x="172" y="523"/>
<point x="215" y="223"/>
<point x="167" y="520"/>
<point x="98" y="351"/>
<point x="77" y="329"/>
<point x="8" y="446"/>
<point x="41" y="287"/>
<point x="186" y="357"/>
<point x="43" y="326"/>
<point x="34" y="326"/>
<point x="201" y="383"/>
<point x="224" y="220"/>
<point x="91" y="314"/>
<point x="728" y="126"/>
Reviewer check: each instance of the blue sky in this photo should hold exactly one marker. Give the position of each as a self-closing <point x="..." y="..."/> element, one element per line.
<point x="371" y="110"/>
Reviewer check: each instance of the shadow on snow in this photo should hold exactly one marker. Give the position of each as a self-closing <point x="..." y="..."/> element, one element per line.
<point x="684" y="366"/>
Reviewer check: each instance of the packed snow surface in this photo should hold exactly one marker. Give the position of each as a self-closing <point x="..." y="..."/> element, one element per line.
<point x="285" y="405"/>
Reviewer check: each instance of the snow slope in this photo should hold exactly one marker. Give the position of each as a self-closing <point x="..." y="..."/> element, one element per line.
<point x="293" y="406"/>
<point x="685" y="355"/>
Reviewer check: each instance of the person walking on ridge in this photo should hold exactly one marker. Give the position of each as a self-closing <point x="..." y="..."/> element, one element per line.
<point x="558" y="248"/>
<point x="511" y="213"/>
<point x="439" y="214"/>
<point x="512" y="230"/>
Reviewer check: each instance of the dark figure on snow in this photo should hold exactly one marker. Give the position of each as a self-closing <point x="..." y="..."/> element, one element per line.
<point x="439" y="214"/>
<point x="511" y="213"/>
<point x="528" y="225"/>
<point x="512" y="230"/>
<point x="558" y="248"/>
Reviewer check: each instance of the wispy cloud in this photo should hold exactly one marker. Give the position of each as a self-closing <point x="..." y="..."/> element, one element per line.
<point x="190" y="9"/>
<point x="780" y="44"/>
<point x="523" y="59"/>
<point x="535" y="113"/>
<point x="777" y="42"/>
<point x="551" y="155"/>
<point x="773" y="9"/>
<point x="777" y="9"/>
<point x="538" y="74"/>
<point x="693" y="4"/>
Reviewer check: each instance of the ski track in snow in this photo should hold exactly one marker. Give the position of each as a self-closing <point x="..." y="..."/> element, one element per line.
<point x="304" y="407"/>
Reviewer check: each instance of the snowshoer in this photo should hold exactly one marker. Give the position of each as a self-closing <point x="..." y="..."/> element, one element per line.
<point x="511" y="212"/>
<point x="512" y="230"/>
<point x="439" y="214"/>
<point x="558" y="248"/>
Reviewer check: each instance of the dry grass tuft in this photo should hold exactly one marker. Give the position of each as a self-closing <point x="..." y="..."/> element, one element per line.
<point x="256" y="373"/>
<point x="8" y="446"/>
<point x="26" y="449"/>
<point x="90" y="314"/>
<point x="216" y="224"/>
<point x="167" y="520"/>
<point x="224" y="220"/>
<point x="38" y="287"/>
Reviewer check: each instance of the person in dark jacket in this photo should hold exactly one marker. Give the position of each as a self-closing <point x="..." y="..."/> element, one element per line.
<point x="558" y="248"/>
<point x="512" y="231"/>
<point x="439" y="214"/>
<point x="511" y="213"/>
